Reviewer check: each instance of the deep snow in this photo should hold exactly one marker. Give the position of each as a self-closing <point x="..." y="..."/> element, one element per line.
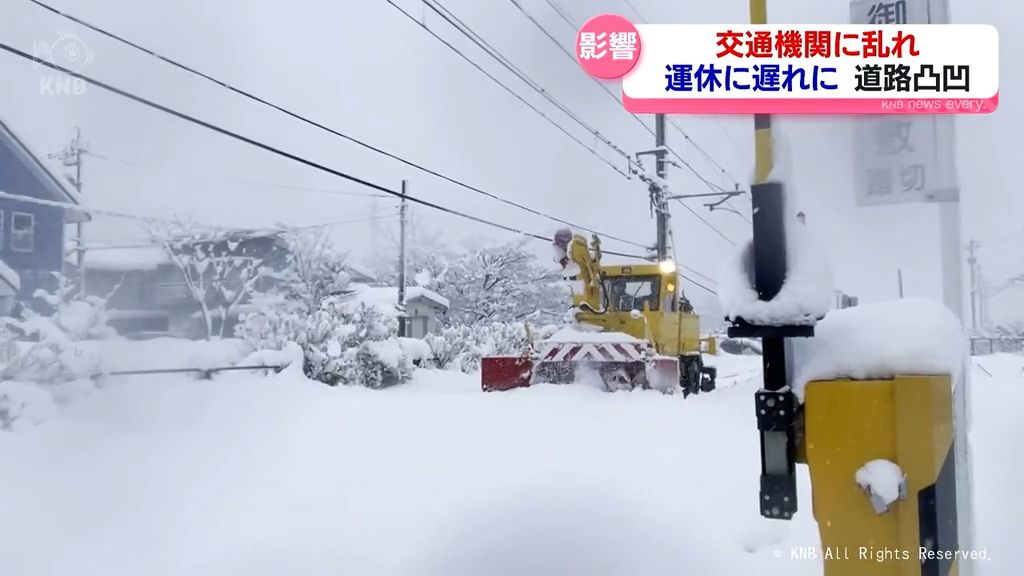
<point x="255" y="476"/>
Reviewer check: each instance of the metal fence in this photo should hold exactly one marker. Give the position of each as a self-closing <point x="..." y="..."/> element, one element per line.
<point x="985" y="346"/>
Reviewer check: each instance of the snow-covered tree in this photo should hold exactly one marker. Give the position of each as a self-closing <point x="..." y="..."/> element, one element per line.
<point x="312" y="272"/>
<point x="313" y="268"/>
<point x="501" y="283"/>
<point x="426" y="256"/>
<point x="309" y="303"/>
<point x="218" y="269"/>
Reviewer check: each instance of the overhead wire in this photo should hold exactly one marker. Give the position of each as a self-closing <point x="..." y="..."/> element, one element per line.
<point x="512" y="92"/>
<point x="250" y="96"/>
<point x="697" y="146"/>
<point x="274" y="150"/>
<point x="483" y="44"/>
<point x="254" y="183"/>
<point x="566" y="17"/>
<point x="712" y="186"/>
<point x="266" y="147"/>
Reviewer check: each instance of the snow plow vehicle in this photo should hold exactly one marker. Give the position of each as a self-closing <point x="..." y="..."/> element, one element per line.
<point x="632" y="328"/>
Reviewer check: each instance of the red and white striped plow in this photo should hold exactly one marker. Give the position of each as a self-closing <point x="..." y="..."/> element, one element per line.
<point x="594" y="352"/>
<point x="617" y="365"/>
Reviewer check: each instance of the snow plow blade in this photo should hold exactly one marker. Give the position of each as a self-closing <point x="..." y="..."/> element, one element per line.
<point x="498" y="373"/>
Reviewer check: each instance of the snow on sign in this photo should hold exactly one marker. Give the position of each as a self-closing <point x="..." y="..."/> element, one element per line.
<point x="900" y="159"/>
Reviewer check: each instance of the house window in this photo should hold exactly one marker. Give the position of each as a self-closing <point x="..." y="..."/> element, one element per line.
<point x="22" y="232"/>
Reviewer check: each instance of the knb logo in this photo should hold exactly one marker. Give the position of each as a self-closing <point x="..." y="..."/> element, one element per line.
<point x="69" y="52"/>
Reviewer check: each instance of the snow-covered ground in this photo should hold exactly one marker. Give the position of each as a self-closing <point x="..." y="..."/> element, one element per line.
<point x="247" y="475"/>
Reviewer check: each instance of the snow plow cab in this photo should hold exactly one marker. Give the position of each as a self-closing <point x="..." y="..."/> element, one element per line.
<point x="634" y="329"/>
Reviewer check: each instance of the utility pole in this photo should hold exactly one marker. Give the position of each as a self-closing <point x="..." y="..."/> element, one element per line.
<point x="401" y="260"/>
<point x="658" y="188"/>
<point x="899" y="281"/>
<point x="71" y="157"/>
<point x="972" y="260"/>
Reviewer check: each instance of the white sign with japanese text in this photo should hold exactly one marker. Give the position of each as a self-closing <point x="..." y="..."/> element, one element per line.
<point x="900" y="159"/>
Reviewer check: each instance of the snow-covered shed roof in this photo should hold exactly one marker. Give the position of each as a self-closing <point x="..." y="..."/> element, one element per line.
<point x="126" y="259"/>
<point x="388" y="295"/>
<point x="360" y="273"/>
<point x="54" y="184"/>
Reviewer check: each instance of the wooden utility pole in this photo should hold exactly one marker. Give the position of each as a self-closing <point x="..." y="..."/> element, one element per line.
<point x="659" y="194"/>
<point x="401" y="260"/>
<point x="71" y="157"/>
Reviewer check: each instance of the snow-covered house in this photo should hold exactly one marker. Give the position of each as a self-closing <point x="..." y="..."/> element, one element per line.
<point x="147" y="292"/>
<point x="424" y="310"/>
<point x="32" y="232"/>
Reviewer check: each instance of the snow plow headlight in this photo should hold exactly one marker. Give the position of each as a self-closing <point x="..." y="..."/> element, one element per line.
<point x="667" y="266"/>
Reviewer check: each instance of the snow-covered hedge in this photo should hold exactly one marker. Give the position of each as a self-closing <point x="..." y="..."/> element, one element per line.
<point x="461" y="347"/>
<point x="342" y="342"/>
<point x="52" y="353"/>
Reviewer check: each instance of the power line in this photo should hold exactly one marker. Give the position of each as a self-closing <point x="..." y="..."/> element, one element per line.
<point x="708" y="183"/>
<point x="562" y="13"/>
<point x="675" y="257"/>
<point x="80" y="208"/>
<point x="285" y="154"/>
<point x="93" y="247"/>
<point x="515" y="94"/>
<point x="352" y="139"/>
<point x="697" y="284"/>
<point x="568" y="20"/>
<point x="244" y="181"/>
<point x="703" y="152"/>
<point x="344" y="222"/>
<point x="686" y="136"/>
<point x="709" y="225"/>
<point x="572" y="58"/>
<point x="635" y="11"/>
<point x="468" y="31"/>
<point x="277" y="151"/>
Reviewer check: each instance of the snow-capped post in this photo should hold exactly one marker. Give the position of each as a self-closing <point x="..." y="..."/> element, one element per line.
<point x="776" y="407"/>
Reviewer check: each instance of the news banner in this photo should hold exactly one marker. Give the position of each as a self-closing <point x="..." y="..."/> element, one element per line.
<point x="795" y="69"/>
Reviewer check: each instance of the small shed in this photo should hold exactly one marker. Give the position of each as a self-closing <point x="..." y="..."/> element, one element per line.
<point x="424" y="310"/>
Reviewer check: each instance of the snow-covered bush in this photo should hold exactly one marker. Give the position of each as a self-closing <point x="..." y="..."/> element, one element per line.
<point x="23" y="404"/>
<point x="51" y="355"/>
<point x="340" y="344"/>
<point x="380" y="363"/>
<point x="309" y="304"/>
<point x="462" y="347"/>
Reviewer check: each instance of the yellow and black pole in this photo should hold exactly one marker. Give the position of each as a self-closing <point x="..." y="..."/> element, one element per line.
<point x="908" y="420"/>
<point x="776" y="408"/>
<point x="762" y="122"/>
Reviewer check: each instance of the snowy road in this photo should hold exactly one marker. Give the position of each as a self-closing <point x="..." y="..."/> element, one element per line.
<point x="251" y="476"/>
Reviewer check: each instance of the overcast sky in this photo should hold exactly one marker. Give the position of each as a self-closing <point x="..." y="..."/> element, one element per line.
<point x="363" y="68"/>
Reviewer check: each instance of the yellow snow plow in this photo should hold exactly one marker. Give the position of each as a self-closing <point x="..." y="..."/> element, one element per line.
<point x="634" y="328"/>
